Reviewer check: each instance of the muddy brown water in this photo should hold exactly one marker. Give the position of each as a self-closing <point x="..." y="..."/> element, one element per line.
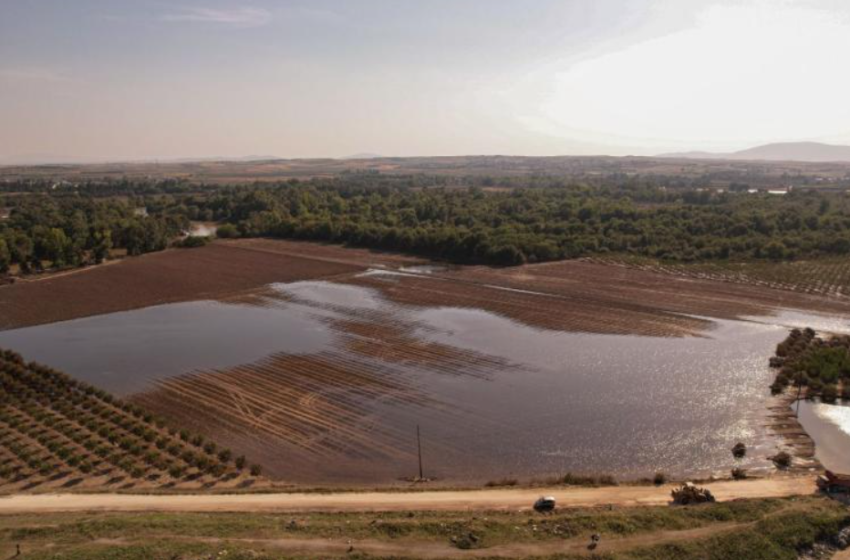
<point x="494" y="398"/>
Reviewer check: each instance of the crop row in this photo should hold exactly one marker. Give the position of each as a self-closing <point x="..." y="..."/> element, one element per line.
<point x="827" y="276"/>
<point x="53" y="424"/>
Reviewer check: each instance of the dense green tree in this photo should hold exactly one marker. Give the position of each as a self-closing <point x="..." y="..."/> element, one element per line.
<point x="5" y="256"/>
<point x="227" y="231"/>
<point x="102" y="245"/>
<point x="527" y="219"/>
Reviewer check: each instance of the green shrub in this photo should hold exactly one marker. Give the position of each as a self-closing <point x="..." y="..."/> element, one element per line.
<point x="782" y="459"/>
<point x="192" y="242"/>
<point x="502" y="483"/>
<point x="739" y="474"/>
<point x="227" y="231"/>
<point x="829" y="394"/>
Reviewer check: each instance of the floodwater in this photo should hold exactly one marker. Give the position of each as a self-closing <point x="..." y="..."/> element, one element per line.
<point x="127" y="352"/>
<point x="625" y="405"/>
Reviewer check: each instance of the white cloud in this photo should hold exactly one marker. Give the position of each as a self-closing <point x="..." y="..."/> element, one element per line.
<point x="239" y="17"/>
<point x="745" y="73"/>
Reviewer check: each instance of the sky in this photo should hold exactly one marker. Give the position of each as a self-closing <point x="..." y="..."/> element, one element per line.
<point x="98" y="80"/>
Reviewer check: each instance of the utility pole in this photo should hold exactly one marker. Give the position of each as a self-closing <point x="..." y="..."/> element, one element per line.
<point x="419" y="448"/>
<point x="799" y="389"/>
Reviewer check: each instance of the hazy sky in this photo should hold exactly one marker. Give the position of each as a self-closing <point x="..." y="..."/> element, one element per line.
<point x="116" y="79"/>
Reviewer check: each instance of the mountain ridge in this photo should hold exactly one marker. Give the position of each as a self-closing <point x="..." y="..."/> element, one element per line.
<point x="814" y="152"/>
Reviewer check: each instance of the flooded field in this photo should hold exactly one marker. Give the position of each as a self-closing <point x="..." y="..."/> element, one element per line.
<point x="319" y="361"/>
<point x="325" y="382"/>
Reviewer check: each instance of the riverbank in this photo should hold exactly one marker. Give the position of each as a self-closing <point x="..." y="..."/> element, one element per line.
<point x="798" y="443"/>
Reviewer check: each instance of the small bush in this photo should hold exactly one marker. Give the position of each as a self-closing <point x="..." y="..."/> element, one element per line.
<point x="501" y="483"/>
<point x="582" y="480"/>
<point x="829" y="394"/>
<point x="227" y="231"/>
<point x="739" y="450"/>
<point x="659" y="478"/>
<point x="192" y="242"/>
<point x="782" y="459"/>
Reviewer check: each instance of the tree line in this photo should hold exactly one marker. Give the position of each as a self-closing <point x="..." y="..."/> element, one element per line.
<point x="473" y="225"/>
<point x="478" y="220"/>
<point x="56" y="231"/>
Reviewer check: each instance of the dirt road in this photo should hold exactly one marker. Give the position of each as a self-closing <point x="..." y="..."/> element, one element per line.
<point x="395" y="501"/>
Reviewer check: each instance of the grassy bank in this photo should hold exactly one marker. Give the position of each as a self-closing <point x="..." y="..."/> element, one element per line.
<point x="763" y="529"/>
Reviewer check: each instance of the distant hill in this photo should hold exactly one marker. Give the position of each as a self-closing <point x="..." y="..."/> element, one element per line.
<point x="362" y="156"/>
<point x="50" y="159"/>
<point x="783" y="151"/>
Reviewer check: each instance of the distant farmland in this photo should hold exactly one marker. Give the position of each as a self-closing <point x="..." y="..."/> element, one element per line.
<point x="715" y="172"/>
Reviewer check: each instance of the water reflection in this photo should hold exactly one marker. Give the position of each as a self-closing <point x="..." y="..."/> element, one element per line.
<point x="125" y="352"/>
<point x="798" y="320"/>
<point x="627" y="405"/>
<point x="329" y="294"/>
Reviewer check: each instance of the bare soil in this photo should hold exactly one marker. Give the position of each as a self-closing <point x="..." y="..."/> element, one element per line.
<point x="631" y="291"/>
<point x="216" y="271"/>
<point x="569" y="295"/>
<point x="522" y="499"/>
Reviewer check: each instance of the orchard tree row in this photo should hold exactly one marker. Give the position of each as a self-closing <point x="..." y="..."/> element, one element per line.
<point x="52" y="425"/>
